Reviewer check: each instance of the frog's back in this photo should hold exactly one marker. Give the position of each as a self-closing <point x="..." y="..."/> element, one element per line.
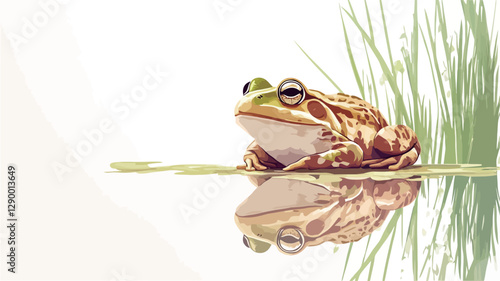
<point x="359" y="105"/>
<point x="359" y="120"/>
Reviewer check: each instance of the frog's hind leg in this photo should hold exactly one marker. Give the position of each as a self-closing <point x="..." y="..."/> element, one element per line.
<point x="399" y="143"/>
<point x="345" y="154"/>
<point x="399" y="161"/>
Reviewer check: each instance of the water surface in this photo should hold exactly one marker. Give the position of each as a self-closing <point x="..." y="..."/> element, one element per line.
<point x="438" y="220"/>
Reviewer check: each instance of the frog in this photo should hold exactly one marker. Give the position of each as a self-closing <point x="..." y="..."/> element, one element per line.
<point x="295" y="127"/>
<point x="293" y="214"/>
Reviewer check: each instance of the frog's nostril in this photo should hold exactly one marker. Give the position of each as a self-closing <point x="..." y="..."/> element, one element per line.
<point x="246" y="88"/>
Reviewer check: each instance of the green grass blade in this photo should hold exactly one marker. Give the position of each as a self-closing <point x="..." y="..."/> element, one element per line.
<point x="371" y="258"/>
<point x="385" y="68"/>
<point x="371" y="270"/>
<point x="347" y="259"/>
<point x="351" y="59"/>
<point x="372" y="77"/>
<point x="369" y="21"/>
<point x="367" y="244"/>
<point x="389" y="254"/>
<point x="320" y="69"/>
<point x="387" y="38"/>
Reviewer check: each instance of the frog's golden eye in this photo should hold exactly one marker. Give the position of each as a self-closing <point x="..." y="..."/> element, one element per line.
<point x="291" y="92"/>
<point x="290" y="240"/>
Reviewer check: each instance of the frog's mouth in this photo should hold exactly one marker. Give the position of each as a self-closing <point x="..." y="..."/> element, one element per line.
<point x="285" y="141"/>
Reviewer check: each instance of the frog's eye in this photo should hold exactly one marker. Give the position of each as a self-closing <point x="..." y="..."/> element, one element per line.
<point x="245" y="241"/>
<point x="291" y="92"/>
<point x="246" y="88"/>
<point x="290" y="240"/>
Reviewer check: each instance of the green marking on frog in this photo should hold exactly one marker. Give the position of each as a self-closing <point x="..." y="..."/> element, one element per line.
<point x="258" y="246"/>
<point x="330" y="155"/>
<point x="259" y="84"/>
<point x="264" y="232"/>
<point x="267" y="97"/>
<point x="262" y="93"/>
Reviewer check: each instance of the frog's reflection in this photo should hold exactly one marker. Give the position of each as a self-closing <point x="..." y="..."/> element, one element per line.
<point x="294" y="214"/>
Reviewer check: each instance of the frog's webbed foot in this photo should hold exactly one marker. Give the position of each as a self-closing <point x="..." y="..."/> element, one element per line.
<point x="252" y="163"/>
<point x="397" y="162"/>
<point x="342" y="155"/>
<point x="257" y="159"/>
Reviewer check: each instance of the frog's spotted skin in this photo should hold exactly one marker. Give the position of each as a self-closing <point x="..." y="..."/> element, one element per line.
<point x="340" y="212"/>
<point x="295" y="127"/>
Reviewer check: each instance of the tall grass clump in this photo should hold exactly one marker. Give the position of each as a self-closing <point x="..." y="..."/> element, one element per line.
<point x="458" y="123"/>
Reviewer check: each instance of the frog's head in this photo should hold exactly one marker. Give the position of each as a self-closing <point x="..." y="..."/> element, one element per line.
<point x="290" y="102"/>
<point x="290" y="214"/>
<point x="287" y="118"/>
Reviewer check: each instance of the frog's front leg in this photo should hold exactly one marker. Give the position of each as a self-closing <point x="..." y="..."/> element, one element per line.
<point x="257" y="159"/>
<point x="345" y="154"/>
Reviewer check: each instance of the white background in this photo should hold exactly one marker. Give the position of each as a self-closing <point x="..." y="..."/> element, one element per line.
<point x="83" y="57"/>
